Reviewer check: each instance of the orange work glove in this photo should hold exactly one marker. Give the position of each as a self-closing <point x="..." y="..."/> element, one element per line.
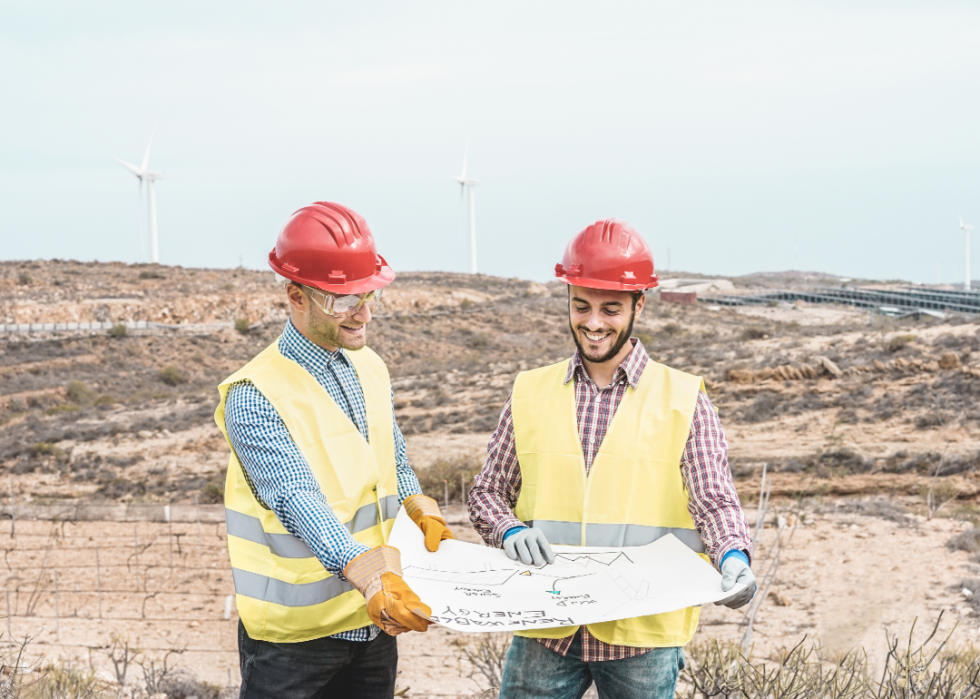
<point x="391" y="604"/>
<point x="424" y="511"/>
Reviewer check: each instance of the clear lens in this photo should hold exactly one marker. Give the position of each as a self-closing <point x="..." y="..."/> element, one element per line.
<point x="344" y="305"/>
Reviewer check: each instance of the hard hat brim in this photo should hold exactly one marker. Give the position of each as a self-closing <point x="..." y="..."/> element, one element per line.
<point x="384" y="277"/>
<point x="607" y="285"/>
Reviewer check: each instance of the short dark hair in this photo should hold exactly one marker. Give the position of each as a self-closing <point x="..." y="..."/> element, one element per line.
<point x="635" y="296"/>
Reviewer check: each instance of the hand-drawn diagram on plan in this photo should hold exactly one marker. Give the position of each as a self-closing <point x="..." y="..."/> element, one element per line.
<point x="474" y="588"/>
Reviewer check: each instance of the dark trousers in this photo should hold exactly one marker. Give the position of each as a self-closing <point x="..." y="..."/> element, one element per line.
<point x="319" y="669"/>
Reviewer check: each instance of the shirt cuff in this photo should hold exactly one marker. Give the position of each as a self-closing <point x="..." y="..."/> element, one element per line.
<point x="735" y="553"/>
<point x="501" y="527"/>
<point x="349" y="554"/>
<point x="512" y="530"/>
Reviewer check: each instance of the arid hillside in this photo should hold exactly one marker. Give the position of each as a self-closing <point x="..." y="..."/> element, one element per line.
<point x="868" y="426"/>
<point x="833" y="399"/>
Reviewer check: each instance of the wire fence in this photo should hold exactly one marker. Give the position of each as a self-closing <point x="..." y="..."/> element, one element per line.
<point x="92" y="578"/>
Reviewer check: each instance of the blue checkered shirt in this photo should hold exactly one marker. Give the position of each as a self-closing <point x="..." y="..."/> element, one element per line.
<point x="279" y="474"/>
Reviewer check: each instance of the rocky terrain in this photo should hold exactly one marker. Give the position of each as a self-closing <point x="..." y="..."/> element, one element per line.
<point x="834" y="400"/>
<point x="868" y="426"/>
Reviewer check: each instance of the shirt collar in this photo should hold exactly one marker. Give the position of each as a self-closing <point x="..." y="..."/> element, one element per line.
<point x="306" y="353"/>
<point x="630" y="370"/>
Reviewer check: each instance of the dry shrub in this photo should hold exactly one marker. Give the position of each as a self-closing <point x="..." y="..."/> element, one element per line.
<point x="79" y="392"/>
<point x="485" y="654"/>
<point x="928" y="669"/>
<point x="456" y="472"/>
<point x="968" y="541"/>
<point x="172" y="376"/>
<point x="899" y="343"/>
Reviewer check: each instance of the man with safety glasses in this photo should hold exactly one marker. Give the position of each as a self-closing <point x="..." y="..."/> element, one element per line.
<point x="317" y="472"/>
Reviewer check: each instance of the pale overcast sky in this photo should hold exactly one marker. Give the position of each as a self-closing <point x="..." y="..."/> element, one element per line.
<point x="744" y="136"/>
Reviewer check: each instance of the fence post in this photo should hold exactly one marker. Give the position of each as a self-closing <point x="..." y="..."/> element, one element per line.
<point x="10" y="633"/>
<point x="136" y="555"/>
<point x="13" y="508"/>
<point x="445" y="495"/>
<point x="98" y="580"/>
<point x="57" y="609"/>
<point x="200" y="536"/>
<point x="170" y="539"/>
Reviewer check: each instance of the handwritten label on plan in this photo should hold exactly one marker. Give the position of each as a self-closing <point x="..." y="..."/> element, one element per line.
<point x="473" y="588"/>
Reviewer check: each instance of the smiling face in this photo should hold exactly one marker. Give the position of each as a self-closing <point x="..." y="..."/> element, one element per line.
<point x="327" y="331"/>
<point x="601" y="322"/>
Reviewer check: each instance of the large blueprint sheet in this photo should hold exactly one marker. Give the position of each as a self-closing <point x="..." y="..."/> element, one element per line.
<point x="474" y="588"/>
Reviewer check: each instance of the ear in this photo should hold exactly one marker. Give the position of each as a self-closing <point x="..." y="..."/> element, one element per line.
<point x="639" y="305"/>
<point x="297" y="299"/>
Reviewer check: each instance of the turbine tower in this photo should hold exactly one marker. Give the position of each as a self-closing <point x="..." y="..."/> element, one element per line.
<point x="966" y="228"/>
<point x="464" y="183"/>
<point x="142" y="173"/>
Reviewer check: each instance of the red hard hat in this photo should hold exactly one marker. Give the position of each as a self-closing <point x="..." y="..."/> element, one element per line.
<point x="609" y="254"/>
<point x="329" y="247"/>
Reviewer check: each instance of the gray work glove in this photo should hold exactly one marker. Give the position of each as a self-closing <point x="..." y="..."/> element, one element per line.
<point x="735" y="570"/>
<point x="530" y="546"/>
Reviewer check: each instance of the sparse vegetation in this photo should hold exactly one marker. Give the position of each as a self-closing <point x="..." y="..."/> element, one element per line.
<point x="172" y="376"/>
<point x="899" y="342"/>
<point x="456" y="475"/>
<point x="79" y="392"/>
<point x="118" y="330"/>
<point x="242" y="325"/>
<point x="926" y="669"/>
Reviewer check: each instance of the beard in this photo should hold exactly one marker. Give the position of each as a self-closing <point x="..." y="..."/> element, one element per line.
<point x="621" y="340"/>
<point x="323" y="332"/>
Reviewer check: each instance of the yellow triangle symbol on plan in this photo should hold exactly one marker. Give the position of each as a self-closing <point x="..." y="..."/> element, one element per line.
<point x="526" y="572"/>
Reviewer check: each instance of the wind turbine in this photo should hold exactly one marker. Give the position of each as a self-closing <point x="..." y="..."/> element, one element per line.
<point x="966" y="228"/>
<point x="142" y="173"/>
<point x="464" y="183"/>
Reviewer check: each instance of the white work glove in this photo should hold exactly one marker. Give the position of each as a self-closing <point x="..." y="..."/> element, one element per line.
<point x="530" y="546"/>
<point x="734" y="570"/>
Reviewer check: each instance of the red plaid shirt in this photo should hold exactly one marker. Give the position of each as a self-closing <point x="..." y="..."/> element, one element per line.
<point x="713" y="501"/>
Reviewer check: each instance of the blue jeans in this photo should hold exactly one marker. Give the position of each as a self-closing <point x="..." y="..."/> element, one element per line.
<point x="535" y="672"/>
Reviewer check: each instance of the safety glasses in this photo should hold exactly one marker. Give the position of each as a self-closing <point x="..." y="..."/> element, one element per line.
<point x="339" y="306"/>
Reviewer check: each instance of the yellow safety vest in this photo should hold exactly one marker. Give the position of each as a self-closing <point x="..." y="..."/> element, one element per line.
<point x="284" y="593"/>
<point x="633" y="494"/>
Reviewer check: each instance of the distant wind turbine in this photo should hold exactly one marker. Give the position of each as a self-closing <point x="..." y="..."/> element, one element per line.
<point x="142" y="173"/>
<point x="464" y="183"/>
<point x="966" y="228"/>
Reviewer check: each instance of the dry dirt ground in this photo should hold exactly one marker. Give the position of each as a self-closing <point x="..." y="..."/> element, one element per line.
<point x="846" y="578"/>
<point x="867" y="425"/>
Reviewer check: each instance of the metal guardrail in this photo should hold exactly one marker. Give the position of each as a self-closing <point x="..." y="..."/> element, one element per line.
<point x="888" y="302"/>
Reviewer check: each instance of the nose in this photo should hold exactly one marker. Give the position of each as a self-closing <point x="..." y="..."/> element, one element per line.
<point x="595" y="321"/>
<point x="363" y="314"/>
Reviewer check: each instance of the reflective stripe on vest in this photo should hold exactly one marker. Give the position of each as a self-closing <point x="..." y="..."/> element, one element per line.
<point x="570" y="534"/>
<point x="288" y="594"/>
<point x="288" y="546"/>
<point x="634" y="492"/>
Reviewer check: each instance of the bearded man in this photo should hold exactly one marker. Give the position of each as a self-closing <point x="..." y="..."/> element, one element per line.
<point x="316" y="475"/>
<point x="608" y="448"/>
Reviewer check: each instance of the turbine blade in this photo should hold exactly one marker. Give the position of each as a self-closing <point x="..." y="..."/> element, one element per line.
<point x="466" y="155"/>
<point x="129" y="166"/>
<point x="146" y="156"/>
<point x="462" y="191"/>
